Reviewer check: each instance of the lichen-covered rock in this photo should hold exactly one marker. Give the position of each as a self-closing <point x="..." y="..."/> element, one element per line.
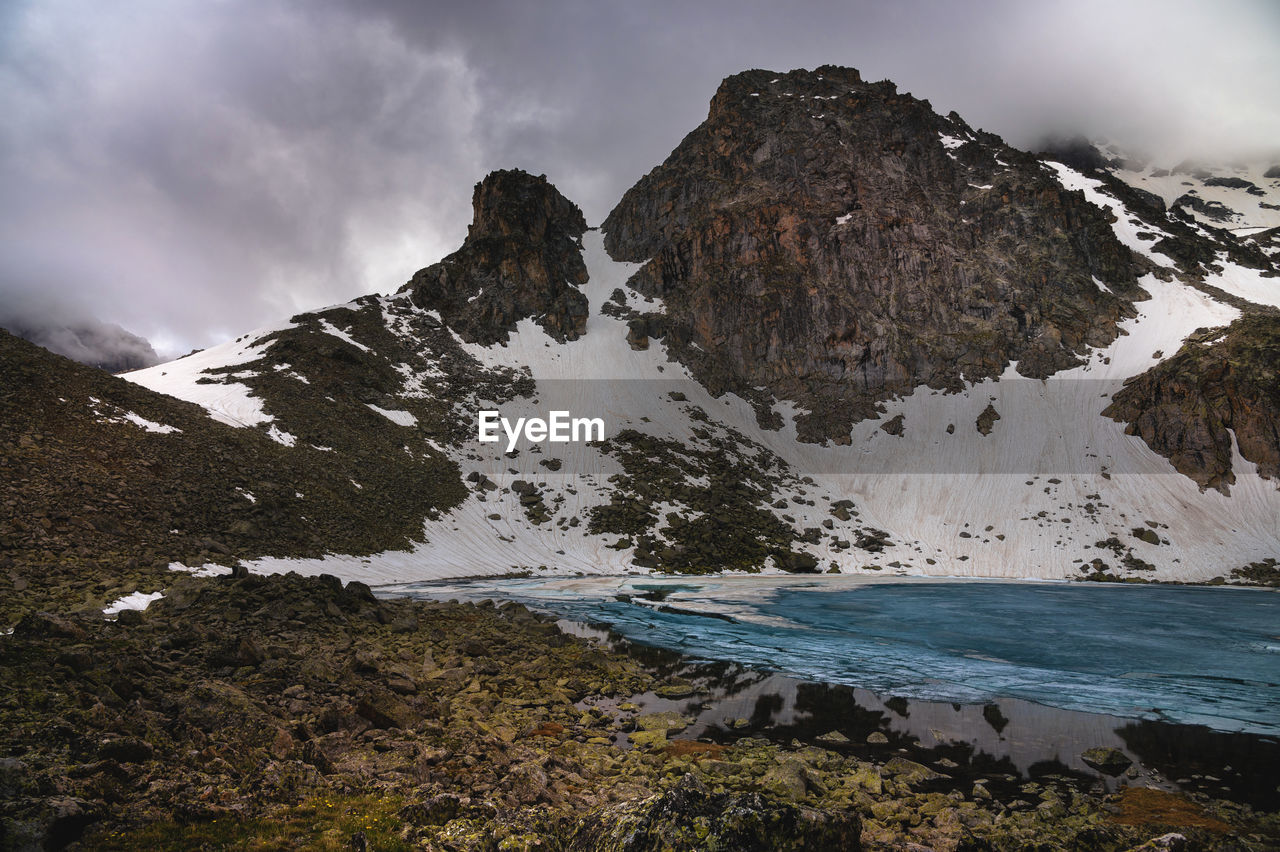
<point x="1110" y="761"/>
<point x="522" y="259"/>
<point x="838" y="242"/>
<point x="690" y="817"/>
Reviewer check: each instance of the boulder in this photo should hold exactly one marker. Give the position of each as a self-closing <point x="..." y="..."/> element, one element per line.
<point x="1107" y="760"/>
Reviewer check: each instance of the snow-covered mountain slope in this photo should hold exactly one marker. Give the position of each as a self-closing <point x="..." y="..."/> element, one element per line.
<point x="1004" y="471"/>
<point x="1242" y="198"/>
<point x="1051" y="488"/>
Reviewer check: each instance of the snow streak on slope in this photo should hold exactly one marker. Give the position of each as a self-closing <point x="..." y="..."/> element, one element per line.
<point x="189" y="378"/>
<point x="1127" y="227"/>
<point x="1247" y="283"/>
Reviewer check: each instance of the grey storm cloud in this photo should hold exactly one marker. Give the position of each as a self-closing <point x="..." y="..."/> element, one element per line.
<point x="192" y="170"/>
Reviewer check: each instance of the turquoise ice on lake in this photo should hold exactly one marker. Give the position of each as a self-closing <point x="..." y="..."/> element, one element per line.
<point x="1192" y="655"/>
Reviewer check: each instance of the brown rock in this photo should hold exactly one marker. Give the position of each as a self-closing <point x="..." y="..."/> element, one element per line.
<point x="384" y="710"/>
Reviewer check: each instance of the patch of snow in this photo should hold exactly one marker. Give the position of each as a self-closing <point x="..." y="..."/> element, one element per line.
<point x="226" y="401"/>
<point x="1244" y="282"/>
<point x="1250" y="214"/>
<point x="148" y="425"/>
<point x="210" y="570"/>
<point x="280" y="436"/>
<point x="402" y="418"/>
<point x="137" y="600"/>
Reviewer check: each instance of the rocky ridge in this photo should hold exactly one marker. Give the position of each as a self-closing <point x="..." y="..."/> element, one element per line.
<point x="107" y="482"/>
<point x="1219" y="389"/>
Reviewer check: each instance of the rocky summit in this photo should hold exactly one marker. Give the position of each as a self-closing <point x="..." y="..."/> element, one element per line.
<point x="522" y="258"/>
<point x="833" y="332"/>
<point x="839" y="243"/>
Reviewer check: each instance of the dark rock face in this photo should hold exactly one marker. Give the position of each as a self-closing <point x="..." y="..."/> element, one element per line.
<point x="1077" y="152"/>
<point x="817" y="235"/>
<point x="1231" y="182"/>
<point x="1219" y="382"/>
<point x="1215" y="210"/>
<point x="522" y="258"/>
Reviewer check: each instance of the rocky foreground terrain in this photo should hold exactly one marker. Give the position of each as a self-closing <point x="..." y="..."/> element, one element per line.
<point x="287" y="712"/>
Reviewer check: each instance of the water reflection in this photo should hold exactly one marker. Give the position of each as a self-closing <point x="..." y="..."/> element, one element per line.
<point x="1003" y="741"/>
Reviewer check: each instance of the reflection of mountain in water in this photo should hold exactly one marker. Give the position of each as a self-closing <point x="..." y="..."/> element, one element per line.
<point x="1003" y="743"/>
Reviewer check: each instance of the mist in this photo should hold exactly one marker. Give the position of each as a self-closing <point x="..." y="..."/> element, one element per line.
<point x="48" y="323"/>
<point x="191" y="171"/>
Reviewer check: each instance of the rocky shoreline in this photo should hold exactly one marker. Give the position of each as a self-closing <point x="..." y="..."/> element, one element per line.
<point x="288" y="712"/>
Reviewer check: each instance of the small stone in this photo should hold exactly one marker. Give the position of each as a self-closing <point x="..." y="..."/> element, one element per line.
<point x="126" y="750"/>
<point x="668" y="721"/>
<point x="910" y="772"/>
<point x="652" y="739"/>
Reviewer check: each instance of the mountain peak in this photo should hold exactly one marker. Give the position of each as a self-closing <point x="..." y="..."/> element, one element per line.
<point x="521" y="259"/>
<point x="514" y="203"/>
<point x="839" y="243"/>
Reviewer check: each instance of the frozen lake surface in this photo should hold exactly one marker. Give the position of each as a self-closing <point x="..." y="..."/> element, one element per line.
<point x="1188" y="655"/>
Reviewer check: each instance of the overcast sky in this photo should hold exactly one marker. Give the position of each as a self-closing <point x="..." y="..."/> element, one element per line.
<point x="193" y="170"/>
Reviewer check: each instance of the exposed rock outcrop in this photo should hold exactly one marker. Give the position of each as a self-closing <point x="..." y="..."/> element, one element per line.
<point x="1219" y="383"/>
<point x="838" y="243"/>
<point x="522" y="258"/>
